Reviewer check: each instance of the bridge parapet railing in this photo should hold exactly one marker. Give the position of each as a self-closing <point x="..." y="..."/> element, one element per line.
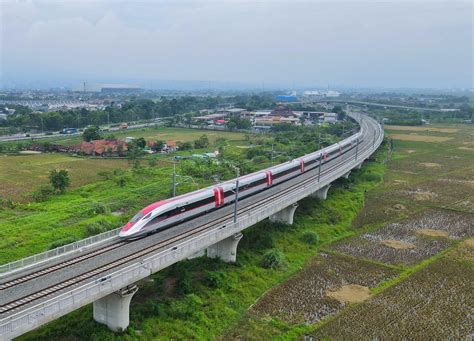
<point x="61" y="250"/>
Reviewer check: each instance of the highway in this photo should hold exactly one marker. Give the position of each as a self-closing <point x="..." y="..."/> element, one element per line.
<point x="29" y="288"/>
<point x="385" y="105"/>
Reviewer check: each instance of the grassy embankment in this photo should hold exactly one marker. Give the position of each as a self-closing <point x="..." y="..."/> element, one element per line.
<point x="202" y="298"/>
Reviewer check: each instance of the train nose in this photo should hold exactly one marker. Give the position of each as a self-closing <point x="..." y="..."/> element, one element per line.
<point x="124" y="231"/>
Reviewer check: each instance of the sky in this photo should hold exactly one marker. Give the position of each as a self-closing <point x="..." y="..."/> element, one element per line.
<point x="415" y="44"/>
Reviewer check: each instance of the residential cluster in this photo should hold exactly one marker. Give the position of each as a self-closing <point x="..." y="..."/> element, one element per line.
<point x="262" y="120"/>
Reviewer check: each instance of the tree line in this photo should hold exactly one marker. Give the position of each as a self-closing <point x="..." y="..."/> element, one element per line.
<point x="24" y="119"/>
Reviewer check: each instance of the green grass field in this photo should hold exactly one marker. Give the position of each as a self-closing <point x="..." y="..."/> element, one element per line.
<point x="158" y="133"/>
<point x="20" y="175"/>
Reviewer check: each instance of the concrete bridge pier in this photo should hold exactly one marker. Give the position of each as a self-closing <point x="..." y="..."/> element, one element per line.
<point x="359" y="166"/>
<point x="114" y="310"/>
<point x="346" y="176"/>
<point x="285" y="216"/>
<point x="226" y="249"/>
<point x="321" y="193"/>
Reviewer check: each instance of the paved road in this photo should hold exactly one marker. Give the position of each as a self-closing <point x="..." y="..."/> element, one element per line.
<point x="386" y="105"/>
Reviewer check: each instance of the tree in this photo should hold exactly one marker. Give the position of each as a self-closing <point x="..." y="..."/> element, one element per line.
<point x="202" y="142"/>
<point x="238" y="123"/>
<point x="91" y="133"/>
<point x="59" y="179"/>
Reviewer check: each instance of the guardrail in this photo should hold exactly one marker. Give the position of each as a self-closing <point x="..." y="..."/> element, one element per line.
<point x="47" y="255"/>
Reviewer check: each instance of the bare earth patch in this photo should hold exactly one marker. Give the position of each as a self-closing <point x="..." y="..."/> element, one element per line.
<point x="469" y="242"/>
<point x="419" y="138"/>
<point x="424" y="196"/>
<point x="465" y="148"/>
<point x="398" y="244"/>
<point x="433" y="233"/>
<point x="399" y="207"/>
<point x="430" y="164"/>
<point x="351" y="293"/>
<point x="400" y="182"/>
<point x="411" y="151"/>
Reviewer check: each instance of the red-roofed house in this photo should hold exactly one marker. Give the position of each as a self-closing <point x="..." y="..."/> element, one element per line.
<point x="102" y="147"/>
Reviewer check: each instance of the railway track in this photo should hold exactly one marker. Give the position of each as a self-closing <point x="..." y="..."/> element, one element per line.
<point x="11" y="306"/>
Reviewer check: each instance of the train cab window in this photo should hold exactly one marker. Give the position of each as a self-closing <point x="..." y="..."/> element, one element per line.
<point x="148" y="215"/>
<point x="137" y="217"/>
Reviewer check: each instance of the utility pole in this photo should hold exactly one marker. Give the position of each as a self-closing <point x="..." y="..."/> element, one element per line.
<point x="357" y="148"/>
<point x="319" y="140"/>
<point x="236" y="201"/>
<point x="271" y="158"/>
<point x="320" y="163"/>
<point x="174" y="180"/>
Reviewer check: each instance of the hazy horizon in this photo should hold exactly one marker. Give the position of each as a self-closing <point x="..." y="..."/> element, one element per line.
<point x="418" y="44"/>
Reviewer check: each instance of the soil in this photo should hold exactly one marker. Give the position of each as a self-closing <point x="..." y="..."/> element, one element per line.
<point x="351" y="293"/>
<point x="465" y="148"/>
<point x="397" y="244"/>
<point x="433" y="233"/>
<point x="469" y="242"/>
<point x="430" y="164"/>
<point x="423" y="196"/>
<point x="410" y="151"/>
<point x="399" y="207"/>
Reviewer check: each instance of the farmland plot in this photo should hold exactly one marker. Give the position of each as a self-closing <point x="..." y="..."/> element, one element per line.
<point x="412" y="240"/>
<point x="326" y="285"/>
<point x="434" y="303"/>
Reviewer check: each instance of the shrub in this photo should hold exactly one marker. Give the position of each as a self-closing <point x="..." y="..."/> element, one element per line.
<point x="214" y="279"/>
<point x="105" y="174"/>
<point x="310" y="237"/>
<point x="259" y="238"/>
<point x="61" y="242"/>
<point x="99" y="208"/>
<point x="186" y="307"/>
<point x="43" y="193"/>
<point x="97" y="227"/>
<point x="273" y="259"/>
<point x="373" y="177"/>
<point x="184" y="284"/>
<point x="59" y="179"/>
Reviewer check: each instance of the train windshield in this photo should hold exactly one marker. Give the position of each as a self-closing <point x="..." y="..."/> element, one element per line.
<point x="137" y="217"/>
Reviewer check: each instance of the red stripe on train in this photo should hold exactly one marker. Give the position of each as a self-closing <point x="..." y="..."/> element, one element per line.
<point x="216" y="196"/>
<point x="221" y="192"/>
<point x="269" y="178"/>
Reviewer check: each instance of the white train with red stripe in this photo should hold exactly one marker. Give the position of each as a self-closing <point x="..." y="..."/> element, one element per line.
<point x="166" y="213"/>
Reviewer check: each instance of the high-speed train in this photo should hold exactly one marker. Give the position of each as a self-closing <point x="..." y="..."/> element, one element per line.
<point x="166" y="213"/>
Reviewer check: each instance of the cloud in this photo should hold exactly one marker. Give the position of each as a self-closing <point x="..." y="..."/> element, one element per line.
<point x="366" y="43"/>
